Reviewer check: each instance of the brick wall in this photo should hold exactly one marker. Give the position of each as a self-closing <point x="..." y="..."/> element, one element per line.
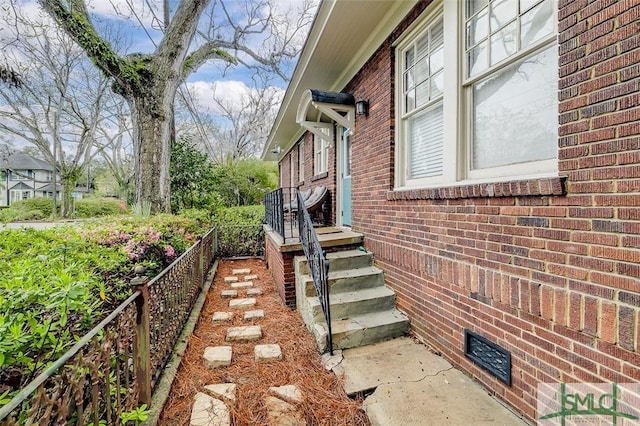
<point x="281" y="267"/>
<point x="548" y="269"/>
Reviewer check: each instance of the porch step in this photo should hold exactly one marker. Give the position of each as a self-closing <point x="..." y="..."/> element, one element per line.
<point x="347" y="280"/>
<point x="368" y="328"/>
<point x="343" y="260"/>
<point x="362" y="307"/>
<point x="353" y="303"/>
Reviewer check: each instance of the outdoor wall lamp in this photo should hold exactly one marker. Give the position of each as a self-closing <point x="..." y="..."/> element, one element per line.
<point x="362" y="107"/>
<point x="276" y="150"/>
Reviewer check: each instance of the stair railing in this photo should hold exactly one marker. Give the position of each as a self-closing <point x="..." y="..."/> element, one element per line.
<point x="317" y="261"/>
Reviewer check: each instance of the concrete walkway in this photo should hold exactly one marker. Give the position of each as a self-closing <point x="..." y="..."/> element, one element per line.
<point x="415" y="387"/>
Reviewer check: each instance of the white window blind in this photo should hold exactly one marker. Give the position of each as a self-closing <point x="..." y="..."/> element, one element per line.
<point x="425" y="153"/>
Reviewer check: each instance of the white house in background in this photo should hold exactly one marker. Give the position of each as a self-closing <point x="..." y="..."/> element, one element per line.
<point x="24" y="177"/>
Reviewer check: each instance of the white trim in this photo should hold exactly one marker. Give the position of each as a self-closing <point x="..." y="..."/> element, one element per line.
<point x="457" y="107"/>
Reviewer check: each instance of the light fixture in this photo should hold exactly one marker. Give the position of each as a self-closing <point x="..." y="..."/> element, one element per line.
<point x="362" y="107"/>
<point x="276" y="150"/>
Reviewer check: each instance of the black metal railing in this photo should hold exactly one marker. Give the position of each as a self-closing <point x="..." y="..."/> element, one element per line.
<point x="281" y="211"/>
<point x="114" y="367"/>
<point x="317" y="261"/>
<point x="274" y="211"/>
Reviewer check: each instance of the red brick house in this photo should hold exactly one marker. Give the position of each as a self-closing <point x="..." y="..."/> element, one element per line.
<point x="495" y="175"/>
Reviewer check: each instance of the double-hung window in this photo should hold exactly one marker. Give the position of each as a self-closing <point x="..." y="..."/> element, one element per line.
<point x="477" y="93"/>
<point x="321" y="153"/>
<point x="301" y="161"/>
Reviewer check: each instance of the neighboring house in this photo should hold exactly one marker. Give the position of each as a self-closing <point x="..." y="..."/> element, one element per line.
<point x="495" y="176"/>
<point x="27" y="177"/>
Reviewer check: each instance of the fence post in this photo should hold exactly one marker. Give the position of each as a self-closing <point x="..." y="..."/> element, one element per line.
<point x="141" y="344"/>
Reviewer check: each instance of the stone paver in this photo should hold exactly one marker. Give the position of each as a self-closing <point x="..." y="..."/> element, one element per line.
<point x="251" y="315"/>
<point x="282" y="413"/>
<point x="229" y="293"/>
<point x="217" y="356"/>
<point x="225" y="391"/>
<point x="208" y="411"/>
<point x="242" y="271"/>
<point x="250" y="277"/>
<point x="289" y="393"/>
<point x="244" y="334"/>
<point x="254" y="292"/>
<point x="230" y="279"/>
<point x="221" y="317"/>
<point x="264" y="353"/>
<point x="242" y="303"/>
<point x="242" y="284"/>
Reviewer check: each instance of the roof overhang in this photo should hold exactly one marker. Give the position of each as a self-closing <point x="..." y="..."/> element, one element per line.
<point x="318" y="109"/>
<point x="344" y="35"/>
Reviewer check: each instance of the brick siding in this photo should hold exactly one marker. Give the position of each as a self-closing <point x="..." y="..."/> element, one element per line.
<point x="547" y="268"/>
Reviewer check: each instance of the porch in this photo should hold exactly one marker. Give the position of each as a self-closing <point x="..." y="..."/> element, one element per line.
<point x="284" y="219"/>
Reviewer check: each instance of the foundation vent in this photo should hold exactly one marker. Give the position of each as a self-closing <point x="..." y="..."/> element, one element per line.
<point x="488" y="355"/>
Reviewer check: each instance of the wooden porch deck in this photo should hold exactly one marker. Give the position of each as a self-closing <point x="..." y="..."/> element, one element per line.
<point x="328" y="236"/>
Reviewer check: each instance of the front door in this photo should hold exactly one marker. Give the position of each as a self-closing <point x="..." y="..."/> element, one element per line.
<point x="345" y="177"/>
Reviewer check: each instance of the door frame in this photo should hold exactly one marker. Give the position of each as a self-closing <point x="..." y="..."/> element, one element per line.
<point x="340" y="157"/>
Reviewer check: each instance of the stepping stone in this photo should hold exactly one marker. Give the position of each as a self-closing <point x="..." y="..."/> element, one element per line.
<point x="280" y="412"/>
<point x="243" y="284"/>
<point x="289" y="393"/>
<point x="242" y="303"/>
<point x="224" y="391"/>
<point x="267" y="353"/>
<point x="254" y="292"/>
<point x="251" y="315"/>
<point x="244" y="334"/>
<point x="250" y="277"/>
<point x="242" y="271"/>
<point x="208" y="411"/>
<point x="230" y="279"/>
<point x="220" y="317"/>
<point x="229" y="293"/>
<point x="217" y="356"/>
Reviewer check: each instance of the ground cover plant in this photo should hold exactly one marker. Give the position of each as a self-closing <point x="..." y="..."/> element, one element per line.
<point x="58" y="283"/>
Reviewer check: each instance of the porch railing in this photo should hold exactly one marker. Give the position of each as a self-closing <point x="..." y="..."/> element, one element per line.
<point x="114" y="368"/>
<point x="274" y="211"/>
<point x="317" y="261"/>
<point x="279" y="206"/>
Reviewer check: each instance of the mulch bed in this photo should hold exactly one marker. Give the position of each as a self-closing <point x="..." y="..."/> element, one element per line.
<point x="325" y="402"/>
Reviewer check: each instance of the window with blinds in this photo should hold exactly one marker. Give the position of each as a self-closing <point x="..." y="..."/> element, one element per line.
<point x="423" y="76"/>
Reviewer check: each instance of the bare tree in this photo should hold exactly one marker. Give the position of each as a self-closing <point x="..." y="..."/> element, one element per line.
<point x="115" y="145"/>
<point x="254" y="34"/>
<point x="60" y="103"/>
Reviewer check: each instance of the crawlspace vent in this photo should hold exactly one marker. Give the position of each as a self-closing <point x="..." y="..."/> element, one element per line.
<point x="488" y="355"/>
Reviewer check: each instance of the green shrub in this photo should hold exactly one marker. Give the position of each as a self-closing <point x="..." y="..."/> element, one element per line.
<point x="98" y="207"/>
<point x="240" y="231"/>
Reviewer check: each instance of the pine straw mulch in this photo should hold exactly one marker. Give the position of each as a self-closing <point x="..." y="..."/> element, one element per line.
<point x="325" y="402"/>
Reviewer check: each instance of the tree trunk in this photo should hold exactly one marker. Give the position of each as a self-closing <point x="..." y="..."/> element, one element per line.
<point x="153" y="116"/>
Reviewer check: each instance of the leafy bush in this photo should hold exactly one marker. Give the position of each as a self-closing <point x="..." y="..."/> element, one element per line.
<point x="31" y="209"/>
<point x="240" y="231"/>
<point x="98" y="206"/>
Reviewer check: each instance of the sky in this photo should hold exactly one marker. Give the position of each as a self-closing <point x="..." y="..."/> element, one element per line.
<point x="137" y="21"/>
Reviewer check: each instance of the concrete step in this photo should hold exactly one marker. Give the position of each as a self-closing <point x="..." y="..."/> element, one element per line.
<point x="347" y="280"/>
<point x="348" y="304"/>
<point x="366" y="329"/>
<point x="342" y="260"/>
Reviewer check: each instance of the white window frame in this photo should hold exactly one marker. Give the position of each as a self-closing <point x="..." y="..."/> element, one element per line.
<point x="457" y="105"/>
<point x="321" y="152"/>
<point x="301" y="161"/>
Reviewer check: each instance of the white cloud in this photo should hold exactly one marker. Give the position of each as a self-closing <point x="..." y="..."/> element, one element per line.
<point x="137" y="12"/>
